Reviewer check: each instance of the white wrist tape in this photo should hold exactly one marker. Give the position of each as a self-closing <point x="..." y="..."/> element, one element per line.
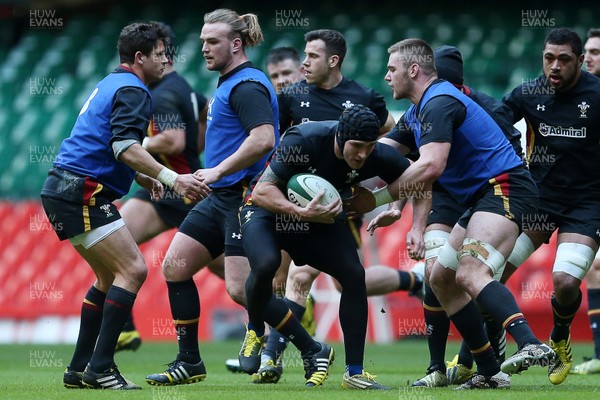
<point x="382" y="196"/>
<point x="167" y="177"/>
<point x="145" y="142"/>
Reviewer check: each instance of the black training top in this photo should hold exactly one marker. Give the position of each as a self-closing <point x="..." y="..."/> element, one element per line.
<point x="563" y="135"/>
<point x="302" y="102"/>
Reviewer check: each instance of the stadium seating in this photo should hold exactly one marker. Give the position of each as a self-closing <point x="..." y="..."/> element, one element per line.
<point x="48" y="278"/>
<point x="48" y="74"/>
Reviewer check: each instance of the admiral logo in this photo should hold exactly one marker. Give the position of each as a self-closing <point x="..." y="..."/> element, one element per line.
<point x="548" y="130"/>
<point x="583" y="107"/>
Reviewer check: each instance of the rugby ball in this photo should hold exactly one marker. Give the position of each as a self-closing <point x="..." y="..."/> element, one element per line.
<point x="302" y="188"/>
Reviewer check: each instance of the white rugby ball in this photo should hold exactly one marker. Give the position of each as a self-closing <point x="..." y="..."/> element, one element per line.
<point x="302" y="188"/>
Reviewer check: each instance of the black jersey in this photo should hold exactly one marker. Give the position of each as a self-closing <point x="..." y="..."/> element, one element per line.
<point x="563" y="135"/>
<point x="176" y="107"/>
<point x="309" y="148"/>
<point x="302" y="102"/>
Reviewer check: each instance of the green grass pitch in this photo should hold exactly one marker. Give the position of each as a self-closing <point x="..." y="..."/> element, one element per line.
<point x="35" y="372"/>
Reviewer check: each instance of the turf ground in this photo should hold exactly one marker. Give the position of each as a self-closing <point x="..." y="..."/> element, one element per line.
<point x="35" y="372"/>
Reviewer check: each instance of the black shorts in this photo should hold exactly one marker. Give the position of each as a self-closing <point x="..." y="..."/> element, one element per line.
<point x="76" y="204"/>
<point x="214" y="222"/>
<point x="581" y="215"/>
<point x="512" y="194"/>
<point x="355" y="224"/>
<point x="326" y="247"/>
<point x="444" y="209"/>
<point x="172" y="208"/>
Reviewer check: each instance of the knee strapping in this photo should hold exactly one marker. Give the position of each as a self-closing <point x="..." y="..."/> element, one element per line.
<point x="521" y="252"/>
<point x="574" y="259"/>
<point x="484" y="252"/>
<point x="434" y="240"/>
<point x="447" y="256"/>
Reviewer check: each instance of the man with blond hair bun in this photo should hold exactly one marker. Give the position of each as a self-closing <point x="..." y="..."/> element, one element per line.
<point x="242" y="129"/>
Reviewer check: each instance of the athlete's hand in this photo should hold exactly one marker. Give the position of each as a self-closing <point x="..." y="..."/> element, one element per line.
<point x="192" y="187"/>
<point x="152" y="185"/>
<point x="316" y="212"/>
<point x="385" y="218"/>
<point x="360" y="202"/>
<point x="415" y="244"/>
<point x="208" y="175"/>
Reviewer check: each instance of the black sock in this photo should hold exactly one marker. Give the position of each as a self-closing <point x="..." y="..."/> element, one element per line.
<point x="117" y="308"/>
<point x="496" y="334"/>
<point x="502" y="307"/>
<point x="469" y="323"/>
<point x="279" y="317"/>
<point x="563" y="317"/>
<point x="594" y="316"/>
<point x="185" y="309"/>
<point x="438" y="326"/>
<point x="91" y="319"/>
<point x="129" y="326"/>
<point x="464" y="355"/>
<point x="277" y="343"/>
<point x="409" y="281"/>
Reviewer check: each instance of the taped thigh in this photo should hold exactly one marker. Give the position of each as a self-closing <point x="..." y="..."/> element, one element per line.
<point x="447" y="256"/>
<point x="484" y="252"/>
<point x="574" y="259"/>
<point x="434" y="240"/>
